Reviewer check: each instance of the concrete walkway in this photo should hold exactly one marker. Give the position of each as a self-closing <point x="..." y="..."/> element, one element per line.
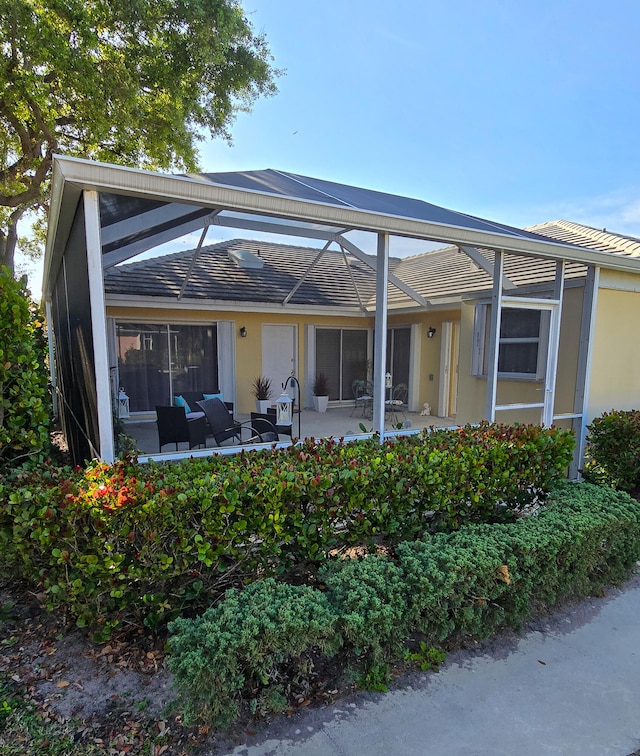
<point x="569" y="685"/>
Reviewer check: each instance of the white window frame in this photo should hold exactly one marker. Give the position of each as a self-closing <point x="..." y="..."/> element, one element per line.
<point x="480" y="343"/>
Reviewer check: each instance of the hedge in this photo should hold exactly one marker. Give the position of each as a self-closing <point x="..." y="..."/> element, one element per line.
<point x="613" y="450"/>
<point x="24" y="399"/>
<point x="451" y="587"/>
<point x="142" y="542"/>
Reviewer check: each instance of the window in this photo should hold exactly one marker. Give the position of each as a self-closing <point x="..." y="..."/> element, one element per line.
<point x="341" y="354"/>
<point x="157" y="361"/>
<point x="522" y="347"/>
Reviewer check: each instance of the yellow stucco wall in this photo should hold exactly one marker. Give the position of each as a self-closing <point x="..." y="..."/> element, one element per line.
<point x="615" y="374"/>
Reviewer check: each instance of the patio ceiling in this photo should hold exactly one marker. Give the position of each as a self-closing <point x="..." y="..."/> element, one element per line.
<point x="140" y="210"/>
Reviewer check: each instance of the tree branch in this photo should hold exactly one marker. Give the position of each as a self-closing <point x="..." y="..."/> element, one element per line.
<point x="34" y="184"/>
<point x="20" y="129"/>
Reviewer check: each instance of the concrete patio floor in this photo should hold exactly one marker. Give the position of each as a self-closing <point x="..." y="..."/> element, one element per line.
<point x="336" y="421"/>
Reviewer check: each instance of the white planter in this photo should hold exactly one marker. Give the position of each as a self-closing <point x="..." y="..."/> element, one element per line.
<point x="320" y="403"/>
<point x="262" y="405"/>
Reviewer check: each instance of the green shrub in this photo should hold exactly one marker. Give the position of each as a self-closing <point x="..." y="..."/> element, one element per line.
<point x="235" y="650"/>
<point x="140" y="543"/>
<point x="452" y="588"/>
<point x="613" y="449"/>
<point x="24" y="406"/>
<point x="370" y="598"/>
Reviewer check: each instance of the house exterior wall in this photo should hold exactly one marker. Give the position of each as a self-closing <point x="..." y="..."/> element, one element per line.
<point x="615" y="365"/>
<point x="248" y="350"/>
<point x="471" y="390"/>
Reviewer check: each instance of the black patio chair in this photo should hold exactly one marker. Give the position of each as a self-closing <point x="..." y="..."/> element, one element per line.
<point x="174" y="427"/>
<point x="223" y="427"/>
<point x="266" y="423"/>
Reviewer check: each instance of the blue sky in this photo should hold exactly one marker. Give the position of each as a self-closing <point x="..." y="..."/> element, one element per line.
<point x="517" y="112"/>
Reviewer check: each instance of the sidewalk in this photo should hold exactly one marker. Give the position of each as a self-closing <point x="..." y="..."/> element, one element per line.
<point x="569" y="685"/>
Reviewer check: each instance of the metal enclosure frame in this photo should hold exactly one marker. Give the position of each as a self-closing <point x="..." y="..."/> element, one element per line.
<point x="157" y="207"/>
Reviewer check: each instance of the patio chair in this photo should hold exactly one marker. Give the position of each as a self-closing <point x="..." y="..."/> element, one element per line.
<point x="362" y="396"/>
<point x="266" y="423"/>
<point x="398" y="401"/>
<point x="223" y="427"/>
<point x="174" y="427"/>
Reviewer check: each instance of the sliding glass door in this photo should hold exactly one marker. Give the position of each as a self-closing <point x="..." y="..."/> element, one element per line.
<point x="398" y="353"/>
<point x="157" y="361"/>
<point x="341" y="354"/>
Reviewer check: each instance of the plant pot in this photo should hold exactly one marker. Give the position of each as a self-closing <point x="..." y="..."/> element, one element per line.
<point x="320" y="403"/>
<point x="262" y="405"/>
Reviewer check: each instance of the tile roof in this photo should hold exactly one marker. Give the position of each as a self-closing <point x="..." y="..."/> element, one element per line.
<point x="438" y="274"/>
<point x="591" y="238"/>
<point x="215" y="276"/>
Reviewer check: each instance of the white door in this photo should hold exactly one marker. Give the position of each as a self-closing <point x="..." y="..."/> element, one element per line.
<point x="279" y="356"/>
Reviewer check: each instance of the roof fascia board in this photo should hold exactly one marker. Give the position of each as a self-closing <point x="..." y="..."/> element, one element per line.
<point x="213" y="305"/>
<point x="531" y="289"/>
<point x="191" y="190"/>
<point x="61" y="215"/>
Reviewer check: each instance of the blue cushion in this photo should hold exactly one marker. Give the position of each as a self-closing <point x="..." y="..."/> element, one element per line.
<point x="213" y="396"/>
<point x="180" y="401"/>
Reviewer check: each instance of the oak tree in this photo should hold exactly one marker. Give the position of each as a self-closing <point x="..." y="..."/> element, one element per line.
<point x="135" y="82"/>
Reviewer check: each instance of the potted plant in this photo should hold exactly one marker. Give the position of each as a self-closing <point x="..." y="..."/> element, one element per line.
<point x="320" y="390"/>
<point x="261" y="387"/>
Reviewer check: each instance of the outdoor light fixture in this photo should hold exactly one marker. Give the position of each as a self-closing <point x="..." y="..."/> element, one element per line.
<point x="431" y="332"/>
<point x="243" y="332"/>
<point x="284" y="404"/>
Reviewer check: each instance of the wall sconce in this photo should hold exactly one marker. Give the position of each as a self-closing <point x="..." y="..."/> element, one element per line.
<point x="243" y="332"/>
<point x="431" y="332"/>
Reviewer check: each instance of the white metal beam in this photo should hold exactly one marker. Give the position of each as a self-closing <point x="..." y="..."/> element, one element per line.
<point x="480" y="260"/>
<point x="99" y="326"/>
<point x="194" y="257"/>
<point x="366" y="259"/>
<point x="313" y="264"/>
<point x="494" y="337"/>
<point x="353" y="280"/>
<point x="552" y="348"/>
<point x="380" y="334"/>
<point x="585" y="357"/>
